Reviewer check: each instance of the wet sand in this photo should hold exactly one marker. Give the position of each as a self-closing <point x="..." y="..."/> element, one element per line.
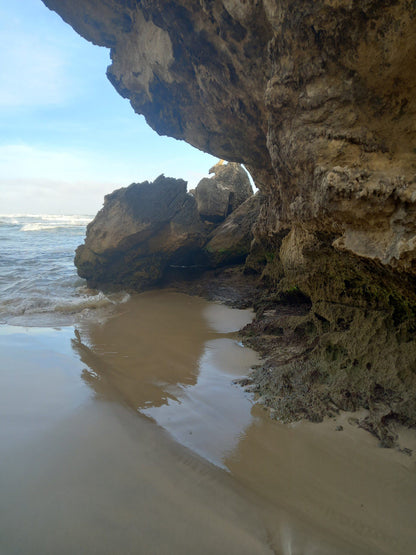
<point x="130" y="437"/>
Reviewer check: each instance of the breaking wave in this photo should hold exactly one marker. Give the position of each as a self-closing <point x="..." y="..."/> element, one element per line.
<point x="44" y="222"/>
<point x="38" y="279"/>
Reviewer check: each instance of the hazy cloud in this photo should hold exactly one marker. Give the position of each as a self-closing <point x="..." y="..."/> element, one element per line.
<point x="56" y="180"/>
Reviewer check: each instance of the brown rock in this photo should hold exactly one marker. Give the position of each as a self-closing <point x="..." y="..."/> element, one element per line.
<point x="139" y="232"/>
<point x="315" y="97"/>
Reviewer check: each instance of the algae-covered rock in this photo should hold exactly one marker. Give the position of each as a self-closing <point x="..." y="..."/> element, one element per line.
<point x="353" y="346"/>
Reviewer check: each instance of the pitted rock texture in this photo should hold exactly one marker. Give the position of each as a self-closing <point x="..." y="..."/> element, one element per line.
<point x="316" y="97"/>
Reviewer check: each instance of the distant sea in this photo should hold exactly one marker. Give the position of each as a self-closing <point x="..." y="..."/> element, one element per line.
<point x="39" y="285"/>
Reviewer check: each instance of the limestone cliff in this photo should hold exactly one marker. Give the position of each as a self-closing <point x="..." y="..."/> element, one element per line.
<point x="317" y="98"/>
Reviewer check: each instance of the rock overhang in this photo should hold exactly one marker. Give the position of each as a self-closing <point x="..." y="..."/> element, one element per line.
<point x="317" y="99"/>
<point x="298" y="90"/>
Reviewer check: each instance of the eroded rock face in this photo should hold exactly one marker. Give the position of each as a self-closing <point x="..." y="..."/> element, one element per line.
<point x="141" y="230"/>
<point x="317" y="98"/>
<point x="218" y="196"/>
<point x="146" y="230"/>
<point x="230" y="242"/>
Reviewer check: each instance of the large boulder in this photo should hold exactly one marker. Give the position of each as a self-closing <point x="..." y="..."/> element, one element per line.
<point x="140" y="231"/>
<point x="218" y="196"/>
<point x="230" y="242"/>
<point x="147" y="231"/>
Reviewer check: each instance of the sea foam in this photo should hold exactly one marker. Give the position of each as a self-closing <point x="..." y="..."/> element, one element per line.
<point x="37" y="273"/>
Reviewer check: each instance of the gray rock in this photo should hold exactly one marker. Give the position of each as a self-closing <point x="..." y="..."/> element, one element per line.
<point x="231" y="241"/>
<point x="218" y="196"/>
<point x="233" y="177"/>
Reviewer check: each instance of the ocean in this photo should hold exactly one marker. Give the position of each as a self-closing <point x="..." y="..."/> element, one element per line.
<point x="39" y="284"/>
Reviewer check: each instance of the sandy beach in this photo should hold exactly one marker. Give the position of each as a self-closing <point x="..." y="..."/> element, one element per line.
<point x="129" y="436"/>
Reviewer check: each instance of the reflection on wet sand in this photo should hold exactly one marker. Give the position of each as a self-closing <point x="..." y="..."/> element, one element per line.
<point x="83" y="472"/>
<point x="97" y="478"/>
<point x="152" y="343"/>
<point x="318" y="476"/>
<point x="173" y="358"/>
<point x="211" y="416"/>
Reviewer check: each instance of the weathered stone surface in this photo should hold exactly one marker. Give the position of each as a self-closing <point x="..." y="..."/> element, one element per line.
<point x="139" y="232"/>
<point x="212" y="200"/>
<point x="233" y="176"/>
<point x="148" y="231"/>
<point x="218" y="196"/>
<point x="317" y="98"/>
<point x="231" y="241"/>
<point x="352" y="346"/>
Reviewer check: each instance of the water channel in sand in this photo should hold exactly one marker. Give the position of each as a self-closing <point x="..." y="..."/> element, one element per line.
<point x="128" y="436"/>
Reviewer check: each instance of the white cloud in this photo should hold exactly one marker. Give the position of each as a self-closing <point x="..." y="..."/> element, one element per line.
<point x="50" y="180"/>
<point x="53" y="180"/>
<point x="51" y="196"/>
<point x="20" y="161"/>
<point x="73" y="155"/>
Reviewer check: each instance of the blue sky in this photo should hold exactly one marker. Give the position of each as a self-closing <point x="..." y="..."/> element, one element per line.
<point x="66" y="137"/>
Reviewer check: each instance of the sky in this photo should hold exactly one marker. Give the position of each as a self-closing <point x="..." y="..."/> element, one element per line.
<point x="67" y="137"/>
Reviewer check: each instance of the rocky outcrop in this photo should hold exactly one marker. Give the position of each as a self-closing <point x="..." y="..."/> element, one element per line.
<point x="139" y="231"/>
<point x="317" y="98"/>
<point x="147" y="229"/>
<point x="218" y="196"/>
<point x="230" y="242"/>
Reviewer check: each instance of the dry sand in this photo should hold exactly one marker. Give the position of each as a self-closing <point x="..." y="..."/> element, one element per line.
<point x="135" y="440"/>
